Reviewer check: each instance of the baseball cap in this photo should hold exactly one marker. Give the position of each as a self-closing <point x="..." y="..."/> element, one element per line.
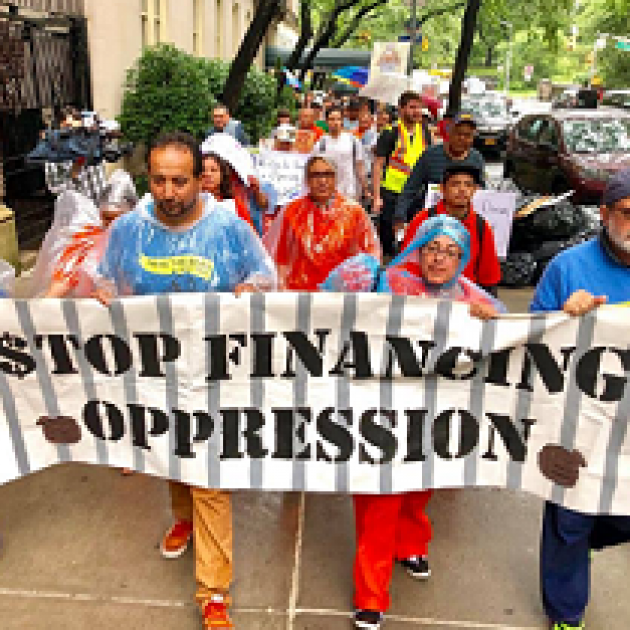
<point x="618" y="188"/>
<point x="458" y="169"/>
<point x="285" y="133"/>
<point x="464" y="118"/>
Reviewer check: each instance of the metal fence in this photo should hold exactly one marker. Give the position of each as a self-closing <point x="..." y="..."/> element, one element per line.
<point x="44" y="66"/>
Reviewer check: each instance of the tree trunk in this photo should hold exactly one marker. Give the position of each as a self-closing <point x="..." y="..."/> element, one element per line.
<point x="306" y="32"/>
<point x="356" y="21"/>
<point x="266" y="12"/>
<point x="469" y="26"/>
<point x="325" y="34"/>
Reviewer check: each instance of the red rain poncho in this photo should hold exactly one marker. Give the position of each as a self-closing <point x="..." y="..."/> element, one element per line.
<point x="307" y="241"/>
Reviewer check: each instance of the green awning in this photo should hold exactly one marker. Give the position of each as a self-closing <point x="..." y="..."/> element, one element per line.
<point x="327" y="60"/>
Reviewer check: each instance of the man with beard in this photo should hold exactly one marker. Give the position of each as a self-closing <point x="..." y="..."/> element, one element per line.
<point x="577" y="281"/>
<point x="180" y="241"/>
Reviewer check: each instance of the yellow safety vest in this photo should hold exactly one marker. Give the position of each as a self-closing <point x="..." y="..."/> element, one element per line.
<point x="403" y="158"/>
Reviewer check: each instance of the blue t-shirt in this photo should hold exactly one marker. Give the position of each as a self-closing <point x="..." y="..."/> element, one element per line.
<point x="588" y="267"/>
<point x="143" y="257"/>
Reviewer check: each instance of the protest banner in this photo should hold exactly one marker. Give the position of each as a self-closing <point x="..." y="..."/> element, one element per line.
<point x="497" y="208"/>
<point x="285" y="171"/>
<point x="324" y="393"/>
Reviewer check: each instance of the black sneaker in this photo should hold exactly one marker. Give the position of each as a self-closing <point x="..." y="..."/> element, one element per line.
<point x="417" y="567"/>
<point x="368" y="619"/>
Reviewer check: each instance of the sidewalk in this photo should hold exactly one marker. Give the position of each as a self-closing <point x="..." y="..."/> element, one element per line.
<point x="81" y="552"/>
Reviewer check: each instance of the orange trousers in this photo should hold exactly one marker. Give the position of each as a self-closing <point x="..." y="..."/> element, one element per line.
<point x="389" y="528"/>
<point x="211" y="514"/>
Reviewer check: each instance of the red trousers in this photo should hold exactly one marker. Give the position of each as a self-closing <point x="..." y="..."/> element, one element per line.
<point x="389" y="528"/>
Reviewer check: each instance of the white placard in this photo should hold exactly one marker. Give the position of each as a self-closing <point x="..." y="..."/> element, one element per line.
<point x="497" y="208"/>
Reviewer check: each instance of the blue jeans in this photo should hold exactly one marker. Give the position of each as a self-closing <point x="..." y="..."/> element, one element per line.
<point x="567" y="539"/>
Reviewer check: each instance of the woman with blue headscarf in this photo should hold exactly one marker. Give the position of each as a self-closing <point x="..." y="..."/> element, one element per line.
<point x="395" y="528"/>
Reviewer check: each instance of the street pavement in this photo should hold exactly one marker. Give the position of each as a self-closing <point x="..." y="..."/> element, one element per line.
<point x="81" y="552"/>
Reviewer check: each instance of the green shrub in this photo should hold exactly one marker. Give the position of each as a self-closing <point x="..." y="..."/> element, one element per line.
<point x="169" y="90"/>
<point x="166" y="90"/>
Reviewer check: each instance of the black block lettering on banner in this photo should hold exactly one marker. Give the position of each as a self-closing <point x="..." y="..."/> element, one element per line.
<point x="589" y="369"/>
<point x="153" y="356"/>
<point x="551" y="373"/>
<point x="291" y="424"/>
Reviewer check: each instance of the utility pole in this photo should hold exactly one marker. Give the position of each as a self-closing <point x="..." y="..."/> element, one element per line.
<point x="414" y="33"/>
<point x="508" y="62"/>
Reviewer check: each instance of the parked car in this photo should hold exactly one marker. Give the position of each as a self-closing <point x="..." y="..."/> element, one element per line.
<point x="567" y="100"/>
<point x="617" y="98"/>
<point x="493" y="120"/>
<point x="573" y="149"/>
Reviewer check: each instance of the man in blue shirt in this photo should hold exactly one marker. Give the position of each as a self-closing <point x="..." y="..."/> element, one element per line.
<point x="577" y="281"/>
<point x="179" y="241"/>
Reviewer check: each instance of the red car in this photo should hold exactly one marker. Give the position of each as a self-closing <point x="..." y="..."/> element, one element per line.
<point x="577" y="149"/>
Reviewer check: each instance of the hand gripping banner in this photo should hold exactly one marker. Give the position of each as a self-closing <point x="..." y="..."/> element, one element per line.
<point x="323" y="393"/>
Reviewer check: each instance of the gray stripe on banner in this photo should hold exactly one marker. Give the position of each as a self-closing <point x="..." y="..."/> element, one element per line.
<point x="300" y="387"/>
<point x="15" y="429"/>
<point x="394" y="324"/>
<point x="477" y="392"/>
<point x="121" y="329"/>
<point x="440" y="336"/>
<point x="348" y="321"/>
<point x="165" y="315"/>
<point x="537" y="328"/>
<point x="43" y="376"/>
<point x="617" y="438"/>
<point x="212" y="303"/>
<point x="257" y="324"/>
<point x="568" y="432"/>
<point x="69" y="308"/>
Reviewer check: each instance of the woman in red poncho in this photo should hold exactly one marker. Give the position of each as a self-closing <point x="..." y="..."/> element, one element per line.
<point x="314" y="234"/>
<point x="395" y="528"/>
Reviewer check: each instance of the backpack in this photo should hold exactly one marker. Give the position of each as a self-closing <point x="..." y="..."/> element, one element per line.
<point x="481" y="228"/>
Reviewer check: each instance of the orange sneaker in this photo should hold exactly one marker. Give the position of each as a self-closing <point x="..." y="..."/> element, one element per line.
<point x="176" y="540"/>
<point x="215" y="613"/>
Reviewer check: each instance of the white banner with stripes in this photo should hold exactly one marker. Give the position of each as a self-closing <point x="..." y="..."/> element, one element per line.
<point x="323" y="393"/>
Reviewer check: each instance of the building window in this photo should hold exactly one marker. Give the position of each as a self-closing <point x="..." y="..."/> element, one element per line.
<point x="236" y="28"/>
<point x="146" y="25"/>
<point x="218" y="30"/>
<point x="198" y="15"/>
<point x="153" y="21"/>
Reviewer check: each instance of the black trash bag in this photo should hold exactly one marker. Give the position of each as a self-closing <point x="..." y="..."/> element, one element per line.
<point x="518" y="270"/>
<point x="563" y="220"/>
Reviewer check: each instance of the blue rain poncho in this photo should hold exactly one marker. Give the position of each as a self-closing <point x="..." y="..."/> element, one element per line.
<point x="218" y="253"/>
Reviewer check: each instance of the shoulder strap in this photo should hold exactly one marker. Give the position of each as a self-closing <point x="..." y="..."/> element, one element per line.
<point x="377" y="278"/>
<point x="481" y="228"/>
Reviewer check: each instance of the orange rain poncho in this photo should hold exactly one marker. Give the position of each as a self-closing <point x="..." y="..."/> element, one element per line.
<point x="307" y="241"/>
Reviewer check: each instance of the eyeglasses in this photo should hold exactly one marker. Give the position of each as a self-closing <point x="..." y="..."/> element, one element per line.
<point x="434" y="250"/>
<point x="623" y="213"/>
<point x="322" y="175"/>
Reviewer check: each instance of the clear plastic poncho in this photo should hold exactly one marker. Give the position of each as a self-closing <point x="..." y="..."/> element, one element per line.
<point x="363" y="273"/>
<point x="307" y="241"/>
<point x="73" y="213"/>
<point x="7" y="279"/>
<point x="218" y="253"/>
<point x="78" y="263"/>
